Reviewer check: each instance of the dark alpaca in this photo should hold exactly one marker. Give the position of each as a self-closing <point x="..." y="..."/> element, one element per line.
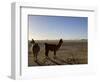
<point x="52" y="47"/>
<point x="35" y="49"/>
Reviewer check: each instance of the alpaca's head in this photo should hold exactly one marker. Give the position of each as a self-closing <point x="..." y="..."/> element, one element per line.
<point x="32" y="42"/>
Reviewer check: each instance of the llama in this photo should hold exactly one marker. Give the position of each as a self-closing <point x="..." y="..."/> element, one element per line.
<point x="52" y="47"/>
<point x="35" y="49"/>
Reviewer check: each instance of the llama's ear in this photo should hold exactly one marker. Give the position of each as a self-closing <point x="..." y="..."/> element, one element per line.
<point x="33" y="41"/>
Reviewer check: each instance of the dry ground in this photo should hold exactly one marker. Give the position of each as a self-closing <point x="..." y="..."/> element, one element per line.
<point x="70" y="53"/>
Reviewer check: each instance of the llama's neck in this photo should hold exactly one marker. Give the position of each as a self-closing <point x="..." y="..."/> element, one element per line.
<point x="59" y="45"/>
<point x="33" y="44"/>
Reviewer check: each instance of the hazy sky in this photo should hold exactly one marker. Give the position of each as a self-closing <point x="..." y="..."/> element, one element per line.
<point x="56" y="27"/>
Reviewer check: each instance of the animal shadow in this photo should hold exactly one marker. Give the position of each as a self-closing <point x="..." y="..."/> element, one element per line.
<point x="61" y="60"/>
<point x="54" y="61"/>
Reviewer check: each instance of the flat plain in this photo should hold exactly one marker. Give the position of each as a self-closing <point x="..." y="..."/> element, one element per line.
<point x="71" y="52"/>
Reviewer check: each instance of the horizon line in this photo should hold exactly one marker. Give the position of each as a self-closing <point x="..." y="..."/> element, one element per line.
<point x="59" y="39"/>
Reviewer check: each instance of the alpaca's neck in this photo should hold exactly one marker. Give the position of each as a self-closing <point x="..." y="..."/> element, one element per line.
<point x="59" y="45"/>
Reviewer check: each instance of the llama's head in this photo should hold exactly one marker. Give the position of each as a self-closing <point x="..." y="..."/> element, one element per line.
<point x="59" y="44"/>
<point x="61" y="41"/>
<point x="32" y="42"/>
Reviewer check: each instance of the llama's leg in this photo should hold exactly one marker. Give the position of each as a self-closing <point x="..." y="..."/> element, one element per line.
<point x="46" y="53"/>
<point x="35" y="57"/>
<point x="54" y="54"/>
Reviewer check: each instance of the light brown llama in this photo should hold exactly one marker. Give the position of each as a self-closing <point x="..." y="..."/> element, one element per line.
<point x="52" y="47"/>
<point x="35" y="49"/>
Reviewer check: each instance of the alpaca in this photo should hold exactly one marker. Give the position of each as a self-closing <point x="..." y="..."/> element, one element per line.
<point x="35" y="49"/>
<point x="52" y="47"/>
